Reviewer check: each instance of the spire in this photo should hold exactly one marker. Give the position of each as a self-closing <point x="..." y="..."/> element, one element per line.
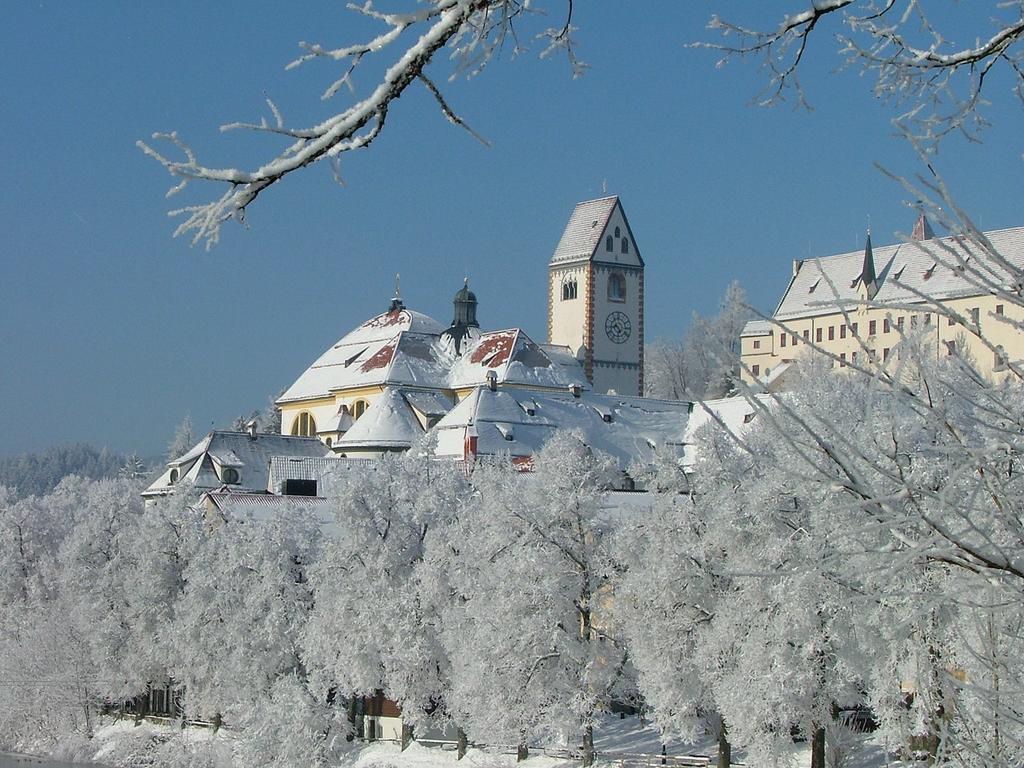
<point x="922" y="229"/>
<point x="396" y="300"/>
<point x="867" y="272"/>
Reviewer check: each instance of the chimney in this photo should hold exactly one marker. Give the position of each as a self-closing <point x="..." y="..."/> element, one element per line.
<point x="250" y="427"/>
<point x="492" y="381"/>
<point x="469" y="445"/>
<point x="576" y="390"/>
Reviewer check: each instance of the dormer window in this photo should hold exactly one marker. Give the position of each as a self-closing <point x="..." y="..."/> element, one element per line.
<point x="569" y="289"/>
<point x="609" y="243"/>
<point x="173" y="476"/>
<point x="230" y="476"/>
<point x="814" y="285"/>
<point x="930" y="271"/>
<point x="616" y="287"/>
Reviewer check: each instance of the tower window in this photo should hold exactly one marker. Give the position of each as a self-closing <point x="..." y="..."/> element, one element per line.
<point x="359" y="408"/>
<point x="608" y="243"/>
<point x="617" y="232"/>
<point x="625" y="245"/>
<point x="304" y="425"/>
<point x="616" y="286"/>
<point x="569" y="289"/>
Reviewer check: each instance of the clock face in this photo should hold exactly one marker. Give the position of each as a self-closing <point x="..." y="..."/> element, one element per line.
<point x="618" y="327"/>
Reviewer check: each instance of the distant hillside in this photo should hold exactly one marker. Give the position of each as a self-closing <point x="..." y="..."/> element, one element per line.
<point x="38" y="473"/>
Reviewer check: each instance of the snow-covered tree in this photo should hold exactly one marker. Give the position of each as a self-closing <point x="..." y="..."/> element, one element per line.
<point x="936" y="64"/>
<point x="182" y="439"/>
<point x="531" y="639"/>
<point x="374" y="625"/>
<point x="705" y="363"/>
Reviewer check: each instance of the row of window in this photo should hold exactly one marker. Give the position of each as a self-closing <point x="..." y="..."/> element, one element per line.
<point x="616" y="287"/>
<point x="887" y="326"/>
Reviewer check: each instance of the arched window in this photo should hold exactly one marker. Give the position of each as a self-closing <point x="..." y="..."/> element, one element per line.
<point x="304" y="425"/>
<point x="617" y="232"/>
<point x="174" y="476"/>
<point x="625" y="245"/>
<point x="359" y="408"/>
<point x="608" y="244"/>
<point x="616" y="287"/>
<point x="569" y="289"/>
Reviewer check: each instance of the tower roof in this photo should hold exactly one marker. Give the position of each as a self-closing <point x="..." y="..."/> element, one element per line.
<point x="867" y="271"/>
<point x="922" y="229"/>
<point x="583" y="232"/>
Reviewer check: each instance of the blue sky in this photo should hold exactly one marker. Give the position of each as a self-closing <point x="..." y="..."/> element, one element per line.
<point x="111" y="331"/>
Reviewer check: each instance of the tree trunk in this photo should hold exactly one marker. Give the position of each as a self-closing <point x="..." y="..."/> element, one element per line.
<point x="724" y="747"/>
<point x="818" y="748"/>
<point x="522" y="753"/>
<point x="588" y="746"/>
<point x="406" y="736"/>
<point x="460" y="743"/>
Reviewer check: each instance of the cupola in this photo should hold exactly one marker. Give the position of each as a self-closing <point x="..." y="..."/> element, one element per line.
<point x="464" y="327"/>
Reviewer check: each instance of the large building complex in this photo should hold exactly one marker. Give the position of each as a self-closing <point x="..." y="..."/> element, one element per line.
<point x="402" y="374"/>
<point x="858" y="306"/>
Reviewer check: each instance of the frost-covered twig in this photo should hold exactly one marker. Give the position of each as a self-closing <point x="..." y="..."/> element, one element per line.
<point x="474" y="29"/>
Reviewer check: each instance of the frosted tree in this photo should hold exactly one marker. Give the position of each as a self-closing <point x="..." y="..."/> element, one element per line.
<point x="182" y="440"/>
<point x="533" y="647"/>
<point x="705" y="363"/>
<point x="879" y="514"/>
<point x="374" y="626"/>
<point x="235" y="636"/>
<point x="935" y="63"/>
<point x="674" y="576"/>
<point x="473" y="31"/>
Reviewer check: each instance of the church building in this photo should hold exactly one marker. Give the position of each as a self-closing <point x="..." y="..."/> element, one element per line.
<point x="402" y="374"/>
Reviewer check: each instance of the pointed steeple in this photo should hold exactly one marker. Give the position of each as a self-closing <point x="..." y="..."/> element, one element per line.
<point x="867" y="273"/>
<point x="922" y="229"/>
<point x="396" y="301"/>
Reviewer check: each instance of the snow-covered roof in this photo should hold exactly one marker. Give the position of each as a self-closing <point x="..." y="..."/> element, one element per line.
<point x="204" y="465"/>
<point x="326" y="470"/>
<point x="407" y="349"/>
<point x="395" y="347"/>
<point x="915" y="264"/>
<point x="515" y="359"/>
<point x="388" y="424"/>
<point x="519" y="423"/>
<point x="583" y="232"/>
<point x="757" y="328"/>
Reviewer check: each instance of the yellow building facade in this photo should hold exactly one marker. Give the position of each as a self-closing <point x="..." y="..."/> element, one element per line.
<point x="857" y="307"/>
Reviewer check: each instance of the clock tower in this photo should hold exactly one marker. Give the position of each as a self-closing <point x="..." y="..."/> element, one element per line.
<point x="596" y="296"/>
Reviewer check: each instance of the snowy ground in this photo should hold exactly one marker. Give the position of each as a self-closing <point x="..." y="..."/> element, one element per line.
<point x="620" y="743"/>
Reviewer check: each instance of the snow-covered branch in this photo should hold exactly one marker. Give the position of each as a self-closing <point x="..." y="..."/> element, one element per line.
<point x="475" y="30"/>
